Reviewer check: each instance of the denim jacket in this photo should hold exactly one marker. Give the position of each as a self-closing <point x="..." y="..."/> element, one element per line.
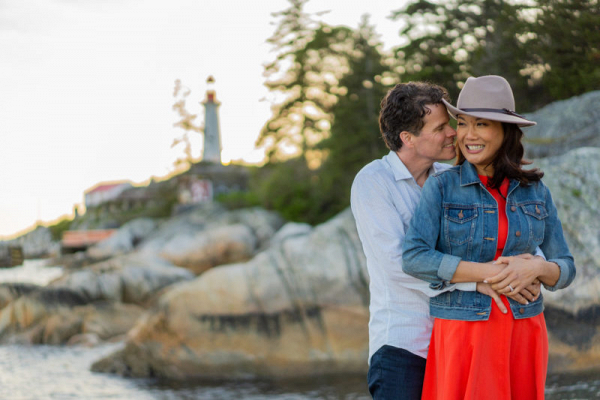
<point x="457" y="219"/>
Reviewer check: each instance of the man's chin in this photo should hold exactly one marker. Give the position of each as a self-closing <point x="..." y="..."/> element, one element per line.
<point x="447" y="157"/>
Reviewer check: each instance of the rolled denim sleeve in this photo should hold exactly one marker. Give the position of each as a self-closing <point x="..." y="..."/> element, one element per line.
<point x="555" y="246"/>
<point x="420" y="257"/>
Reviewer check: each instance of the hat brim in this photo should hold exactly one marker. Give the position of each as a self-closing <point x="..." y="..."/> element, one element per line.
<point x="492" y="116"/>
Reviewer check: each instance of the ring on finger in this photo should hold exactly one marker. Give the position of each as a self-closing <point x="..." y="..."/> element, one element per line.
<point x="511" y="288"/>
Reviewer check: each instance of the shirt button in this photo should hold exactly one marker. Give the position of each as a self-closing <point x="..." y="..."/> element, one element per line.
<point x="513" y="208"/>
<point x="521" y="311"/>
<point x="518" y="233"/>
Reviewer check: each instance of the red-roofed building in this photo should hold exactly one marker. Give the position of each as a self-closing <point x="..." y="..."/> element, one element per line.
<point x="104" y="192"/>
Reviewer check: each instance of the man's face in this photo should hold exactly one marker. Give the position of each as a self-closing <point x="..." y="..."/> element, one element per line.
<point x="436" y="141"/>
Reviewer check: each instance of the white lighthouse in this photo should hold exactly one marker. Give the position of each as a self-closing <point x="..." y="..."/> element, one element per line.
<point x="212" y="135"/>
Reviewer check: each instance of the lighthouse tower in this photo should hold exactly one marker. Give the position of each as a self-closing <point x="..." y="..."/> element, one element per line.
<point x="212" y="135"/>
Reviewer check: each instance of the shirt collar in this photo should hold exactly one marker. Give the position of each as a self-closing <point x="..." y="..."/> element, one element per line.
<point x="399" y="169"/>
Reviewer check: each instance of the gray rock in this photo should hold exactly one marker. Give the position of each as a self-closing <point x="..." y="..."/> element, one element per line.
<point x="289" y="230"/>
<point x="132" y="278"/>
<point x="574" y="181"/>
<point x="104" y="299"/>
<point x="206" y="237"/>
<point x="124" y="240"/>
<point x="564" y="125"/>
<point x="299" y="308"/>
<point x="35" y="244"/>
<point x="214" y="245"/>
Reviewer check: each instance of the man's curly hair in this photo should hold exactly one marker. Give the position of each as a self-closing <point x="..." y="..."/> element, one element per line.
<point x="404" y="107"/>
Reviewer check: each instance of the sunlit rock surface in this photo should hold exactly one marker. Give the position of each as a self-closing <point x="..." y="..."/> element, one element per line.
<point x="298" y="308"/>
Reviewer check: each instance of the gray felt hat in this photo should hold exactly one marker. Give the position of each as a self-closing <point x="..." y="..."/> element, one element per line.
<point x="488" y="97"/>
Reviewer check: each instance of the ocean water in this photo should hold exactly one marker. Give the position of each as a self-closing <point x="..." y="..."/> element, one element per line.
<point x="61" y="372"/>
<point x="54" y="372"/>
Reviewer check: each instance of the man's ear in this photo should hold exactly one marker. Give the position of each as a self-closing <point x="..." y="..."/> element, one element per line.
<point x="406" y="138"/>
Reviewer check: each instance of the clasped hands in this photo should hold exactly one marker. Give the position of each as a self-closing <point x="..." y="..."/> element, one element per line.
<point x="518" y="280"/>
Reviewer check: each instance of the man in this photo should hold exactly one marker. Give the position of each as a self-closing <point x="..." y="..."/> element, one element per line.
<point x="415" y="126"/>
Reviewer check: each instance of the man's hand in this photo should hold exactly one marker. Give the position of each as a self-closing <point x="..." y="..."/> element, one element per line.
<point x="485" y="288"/>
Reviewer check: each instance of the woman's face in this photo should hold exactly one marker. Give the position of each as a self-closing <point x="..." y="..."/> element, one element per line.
<point x="479" y="140"/>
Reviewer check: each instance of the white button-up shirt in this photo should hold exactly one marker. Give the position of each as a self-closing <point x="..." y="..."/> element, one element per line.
<point x="383" y="198"/>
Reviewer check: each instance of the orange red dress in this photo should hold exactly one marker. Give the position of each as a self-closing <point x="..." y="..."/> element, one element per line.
<point x="499" y="359"/>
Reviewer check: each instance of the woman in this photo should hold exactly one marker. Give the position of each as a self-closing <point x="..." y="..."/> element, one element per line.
<point x="487" y="208"/>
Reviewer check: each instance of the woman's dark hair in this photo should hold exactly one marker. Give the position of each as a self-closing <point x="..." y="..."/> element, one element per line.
<point x="509" y="160"/>
<point x="404" y="107"/>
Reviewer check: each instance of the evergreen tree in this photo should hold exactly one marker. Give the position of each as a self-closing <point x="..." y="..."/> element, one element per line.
<point x="355" y="139"/>
<point x="564" y="47"/>
<point x="303" y="80"/>
<point x="546" y="49"/>
<point x="448" y="41"/>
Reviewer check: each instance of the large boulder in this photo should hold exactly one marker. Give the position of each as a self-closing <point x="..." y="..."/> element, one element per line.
<point x="299" y="308"/>
<point x="214" y="245"/>
<point x="574" y="181"/>
<point x="573" y="314"/>
<point x="564" y="125"/>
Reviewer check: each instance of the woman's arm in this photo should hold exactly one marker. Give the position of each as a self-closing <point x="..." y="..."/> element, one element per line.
<point x="419" y="255"/>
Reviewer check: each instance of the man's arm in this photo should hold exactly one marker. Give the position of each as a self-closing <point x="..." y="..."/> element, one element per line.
<point x="381" y="221"/>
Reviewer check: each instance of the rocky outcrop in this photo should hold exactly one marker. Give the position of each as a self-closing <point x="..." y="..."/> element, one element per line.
<point x="299" y="307"/>
<point x="103" y="300"/>
<point x="133" y="278"/>
<point x="215" y="245"/>
<point x="54" y="315"/>
<point x="209" y="236"/>
<point x="124" y="240"/>
<point x="564" y="125"/>
<point x="34" y="244"/>
<point x="574" y="181"/>
<point x="573" y="314"/>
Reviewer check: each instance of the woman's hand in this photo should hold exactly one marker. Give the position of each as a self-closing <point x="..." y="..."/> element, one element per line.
<point x="527" y="295"/>
<point x="519" y="273"/>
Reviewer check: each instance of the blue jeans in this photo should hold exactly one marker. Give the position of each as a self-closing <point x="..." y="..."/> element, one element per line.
<point x="396" y="374"/>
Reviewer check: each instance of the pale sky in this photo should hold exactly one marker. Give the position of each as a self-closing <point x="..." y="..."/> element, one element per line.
<point x="86" y="89"/>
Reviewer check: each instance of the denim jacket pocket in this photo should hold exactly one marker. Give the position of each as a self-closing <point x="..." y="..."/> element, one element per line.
<point x="460" y="221"/>
<point x="535" y="214"/>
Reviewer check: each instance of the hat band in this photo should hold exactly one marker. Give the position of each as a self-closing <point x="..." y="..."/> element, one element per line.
<point x="496" y="110"/>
